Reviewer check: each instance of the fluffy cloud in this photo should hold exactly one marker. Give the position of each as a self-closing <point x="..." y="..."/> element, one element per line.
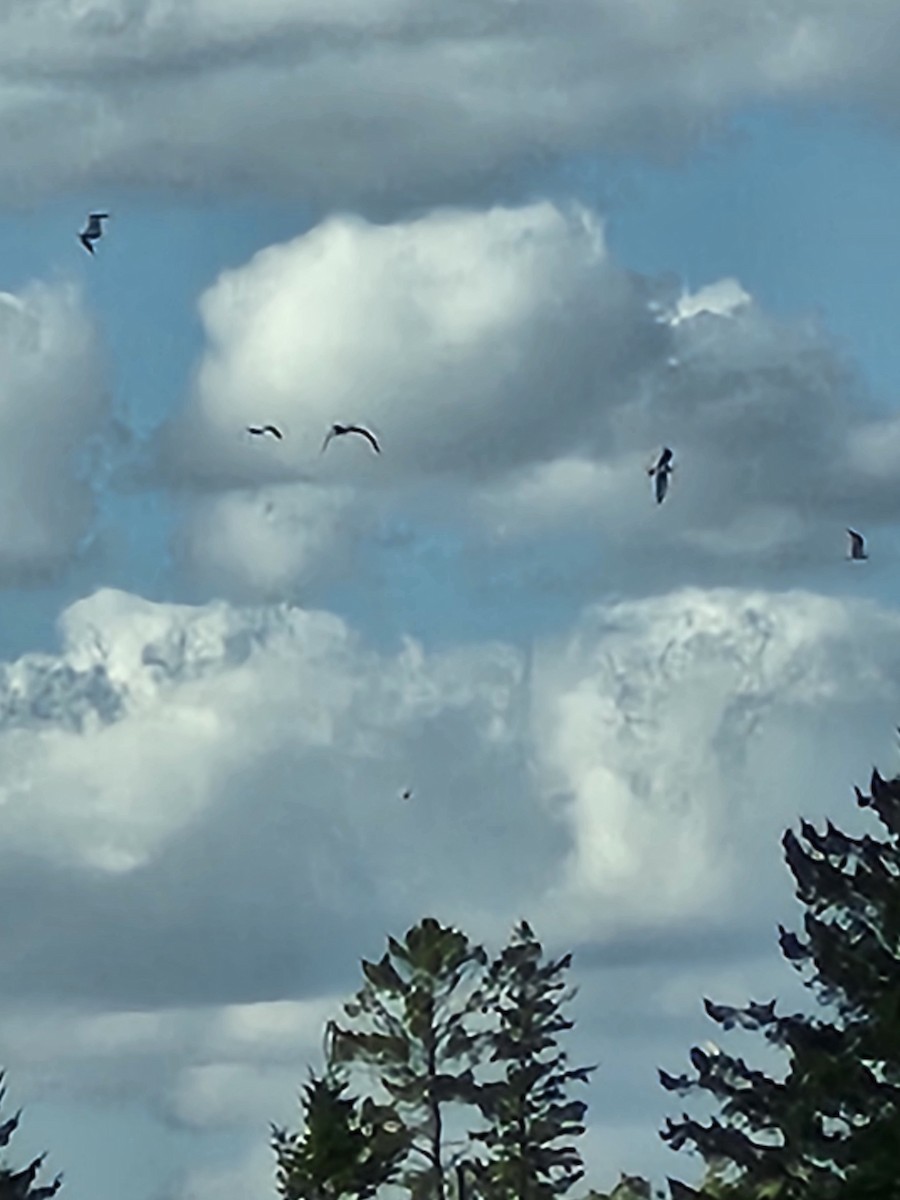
<point x="173" y="757"/>
<point x="202" y="828"/>
<point x="267" y="543"/>
<point x="520" y="381"/>
<point x="53" y="405"/>
<point x="350" y="104"/>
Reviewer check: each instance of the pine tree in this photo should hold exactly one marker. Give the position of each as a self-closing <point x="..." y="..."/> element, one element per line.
<point x="413" y="1027"/>
<point x="20" y="1185"/>
<point x="528" y="1109"/>
<point x="344" y="1149"/>
<point x="830" y="1130"/>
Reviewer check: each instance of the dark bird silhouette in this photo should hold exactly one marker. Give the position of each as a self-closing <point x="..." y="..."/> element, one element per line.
<point x="662" y="469"/>
<point x="340" y="430"/>
<point x="857" y="545"/>
<point x="406" y="794"/>
<point x="93" y="231"/>
<point x="261" y="430"/>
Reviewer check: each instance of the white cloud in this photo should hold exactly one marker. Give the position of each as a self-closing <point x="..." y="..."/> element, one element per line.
<point x="162" y="733"/>
<point x="520" y="382"/>
<point x="444" y="334"/>
<point x="349" y="104"/>
<point x="212" y="833"/>
<point x="269" y="543"/>
<point x="53" y="405"/>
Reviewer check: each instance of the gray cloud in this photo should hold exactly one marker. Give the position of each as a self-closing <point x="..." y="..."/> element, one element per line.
<point x="394" y="103"/>
<point x="202" y="833"/>
<point x="54" y="414"/>
<point x="520" y="381"/>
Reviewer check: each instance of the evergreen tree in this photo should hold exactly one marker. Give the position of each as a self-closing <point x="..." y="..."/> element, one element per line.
<point x="20" y="1185"/>
<point x="344" y="1149"/>
<point x="413" y="1027"/>
<point x="528" y="1109"/>
<point x="830" y="1130"/>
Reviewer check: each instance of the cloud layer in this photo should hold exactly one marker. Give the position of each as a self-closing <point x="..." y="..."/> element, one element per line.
<point x="395" y="102"/>
<point x="521" y="381"/>
<point x="202" y="823"/>
<point x="54" y="424"/>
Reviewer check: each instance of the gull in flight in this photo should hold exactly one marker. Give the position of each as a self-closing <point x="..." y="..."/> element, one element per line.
<point x="93" y="231"/>
<point x="662" y="469"/>
<point x="340" y="430"/>
<point x="857" y="545"/>
<point x="262" y="430"/>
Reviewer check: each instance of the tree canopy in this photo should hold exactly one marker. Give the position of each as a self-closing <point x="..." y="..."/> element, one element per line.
<point x="830" y="1129"/>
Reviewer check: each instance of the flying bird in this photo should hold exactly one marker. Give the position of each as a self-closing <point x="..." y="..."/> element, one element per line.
<point x="406" y="794"/>
<point x="662" y="469"/>
<point x="340" y="430"/>
<point x="262" y="430"/>
<point x="93" y="231"/>
<point x="857" y="545"/>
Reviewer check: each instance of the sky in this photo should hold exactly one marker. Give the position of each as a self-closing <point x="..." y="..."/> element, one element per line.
<point x="527" y="244"/>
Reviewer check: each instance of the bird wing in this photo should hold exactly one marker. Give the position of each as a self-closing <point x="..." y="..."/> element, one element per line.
<point x="665" y="458"/>
<point x="94" y="228"/>
<point x="329" y="435"/>
<point x="274" y="430"/>
<point x="662" y="485"/>
<point x="83" y="238"/>
<point x="856" y="542"/>
<point x="370" y="437"/>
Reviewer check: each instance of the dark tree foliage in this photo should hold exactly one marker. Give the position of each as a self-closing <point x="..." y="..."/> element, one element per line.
<point x="629" y="1187"/>
<point x="413" y="1027"/>
<point x="530" y="1115"/>
<point x="830" y="1130"/>
<point x="20" y="1185"/>
<point x="344" y="1148"/>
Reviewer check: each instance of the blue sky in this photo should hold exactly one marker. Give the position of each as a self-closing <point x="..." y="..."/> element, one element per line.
<point x="246" y="650"/>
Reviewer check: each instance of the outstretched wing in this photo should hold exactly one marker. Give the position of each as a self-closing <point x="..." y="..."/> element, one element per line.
<point x="94" y="227"/>
<point x="329" y="435"/>
<point x="83" y="238"/>
<point x="274" y="430"/>
<point x="370" y="437"/>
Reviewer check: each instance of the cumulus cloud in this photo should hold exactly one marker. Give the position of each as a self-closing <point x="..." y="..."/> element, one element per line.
<point x="268" y="543"/>
<point x="169" y="755"/>
<point x="203" y="830"/>
<point x="53" y="408"/>
<point x="525" y="380"/>
<point x="394" y="102"/>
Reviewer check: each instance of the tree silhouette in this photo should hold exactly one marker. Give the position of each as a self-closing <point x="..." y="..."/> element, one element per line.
<point x="20" y="1185"/>
<point x="528" y="1108"/>
<point x="344" y="1149"/>
<point x="413" y="1027"/>
<point x="831" y="1128"/>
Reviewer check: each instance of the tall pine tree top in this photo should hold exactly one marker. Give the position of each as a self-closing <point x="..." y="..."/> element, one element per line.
<point x="532" y="1119"/>
<point x="412" y="1027"/>
<point x="830" y="1130"/>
